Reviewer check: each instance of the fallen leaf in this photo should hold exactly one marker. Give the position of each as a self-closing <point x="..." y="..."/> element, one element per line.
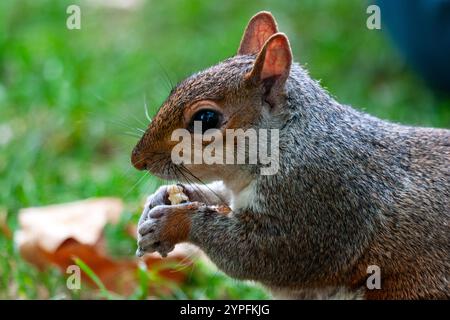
<point x="48" y="227"/>
<point x="55" y="235"/>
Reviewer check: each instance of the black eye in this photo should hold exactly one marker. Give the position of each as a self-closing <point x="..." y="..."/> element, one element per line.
<point x="208" y="118"/>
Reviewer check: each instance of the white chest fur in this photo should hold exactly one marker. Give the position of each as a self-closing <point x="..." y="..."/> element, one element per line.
<point x="245" y="199"/>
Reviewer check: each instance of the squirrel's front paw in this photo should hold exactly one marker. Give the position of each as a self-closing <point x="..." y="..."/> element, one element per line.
<point x="165" y="226"/>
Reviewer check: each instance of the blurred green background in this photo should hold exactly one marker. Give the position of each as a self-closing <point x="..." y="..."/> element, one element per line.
<point x="71" y="100"/>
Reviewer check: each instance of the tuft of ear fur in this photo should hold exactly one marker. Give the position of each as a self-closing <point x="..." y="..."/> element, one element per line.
<point x="260" y="27"/>
<point x="272" y="67"/>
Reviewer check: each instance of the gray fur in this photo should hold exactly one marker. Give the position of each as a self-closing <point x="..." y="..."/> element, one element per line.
<point x="352" y="191"/>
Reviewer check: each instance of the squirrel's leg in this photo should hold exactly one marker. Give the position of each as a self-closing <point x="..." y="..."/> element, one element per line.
<point x="242" y="244"/>
<point x="214" y="193"/>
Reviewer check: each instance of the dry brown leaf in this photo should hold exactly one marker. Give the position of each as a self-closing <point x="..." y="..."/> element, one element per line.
<point x="48" y="227"/>
<point x="57" y="234"/>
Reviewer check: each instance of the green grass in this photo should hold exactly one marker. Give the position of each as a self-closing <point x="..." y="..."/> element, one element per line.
<point x="68" y="99"/>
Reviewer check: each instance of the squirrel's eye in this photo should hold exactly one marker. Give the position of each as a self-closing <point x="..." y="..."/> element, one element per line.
<point x="208" y="118"/>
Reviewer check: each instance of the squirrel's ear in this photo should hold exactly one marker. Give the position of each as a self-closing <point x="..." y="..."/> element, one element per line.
<point x="272" y="66"/>
<point x="259" y="29"/>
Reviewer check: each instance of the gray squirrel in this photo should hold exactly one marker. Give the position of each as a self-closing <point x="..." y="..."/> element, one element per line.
<point x="351" y="191"/>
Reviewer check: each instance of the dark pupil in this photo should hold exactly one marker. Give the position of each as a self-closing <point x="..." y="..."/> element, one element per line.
<point x="209" y="119"/>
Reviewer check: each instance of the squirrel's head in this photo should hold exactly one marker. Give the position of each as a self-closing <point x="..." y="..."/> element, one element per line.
<point x="234" y="94"/>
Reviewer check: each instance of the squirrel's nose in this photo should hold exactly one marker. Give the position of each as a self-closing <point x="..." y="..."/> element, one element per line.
<point x="138" y="161"/>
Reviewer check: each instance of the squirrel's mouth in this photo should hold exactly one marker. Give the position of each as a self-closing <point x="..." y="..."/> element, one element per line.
<point x="157" y="163"/>
<point x="161" y="167"/>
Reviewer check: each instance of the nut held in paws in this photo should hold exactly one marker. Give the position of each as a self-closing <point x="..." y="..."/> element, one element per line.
<point x="176" y="194"/>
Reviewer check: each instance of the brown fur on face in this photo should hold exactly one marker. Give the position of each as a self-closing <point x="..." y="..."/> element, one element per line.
<point x="225" y="86"/>
<point x="240" y="89"/>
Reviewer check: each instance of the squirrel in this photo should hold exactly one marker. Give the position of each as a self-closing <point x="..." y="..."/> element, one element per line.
<point x="351" y="191"/>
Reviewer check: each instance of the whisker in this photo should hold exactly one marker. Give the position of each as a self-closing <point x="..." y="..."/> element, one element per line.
<point x="122" y="124"/>
<point x="167" y="79"/>
<point x="196" y="188"/>
<point x="146" y="110"/>
<point x="131" y="167"/>
<point x="131" y="134"/>
<point x="137" y="183"/>
<point x="141" y="122"/>
<point x="201" y="182"/>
